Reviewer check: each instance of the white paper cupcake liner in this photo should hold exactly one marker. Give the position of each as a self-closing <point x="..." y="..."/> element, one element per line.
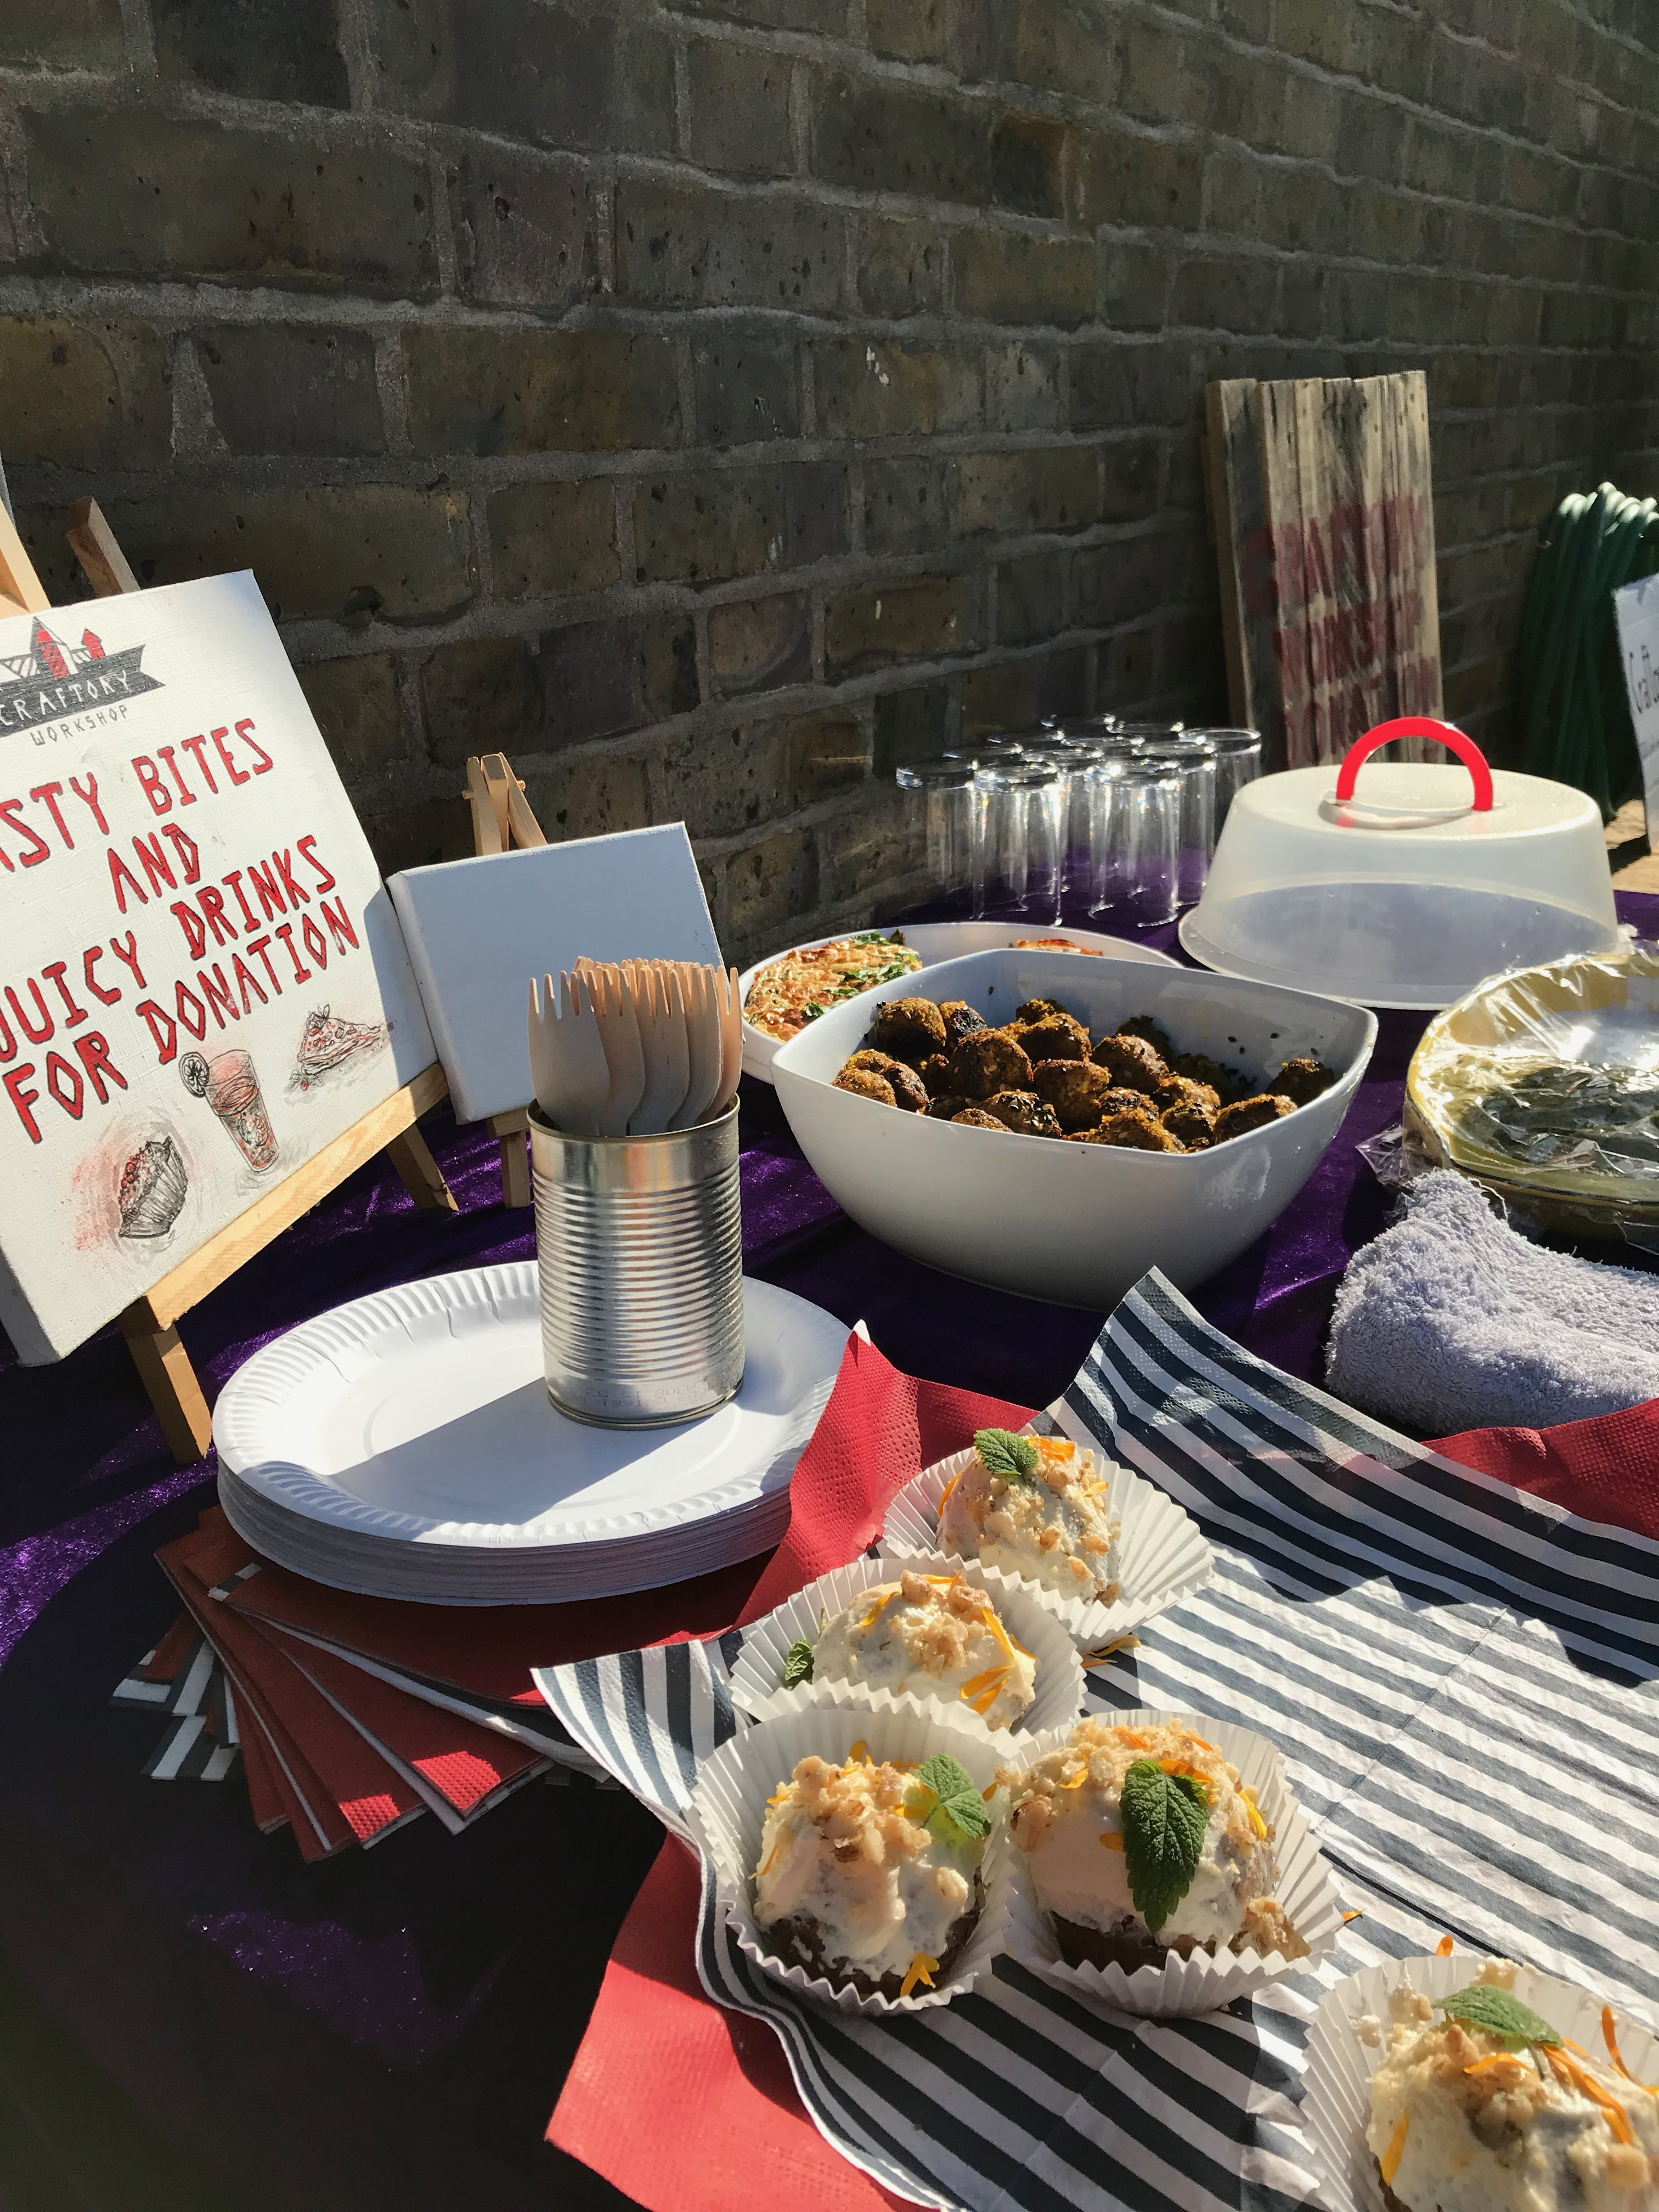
<point x="728" y="1811"/>
<point x="1336" y="2104"/>
<point x="757" y="1677"/>
<point x="1306" y="1889"/>
<point x="1163" y="1554"/>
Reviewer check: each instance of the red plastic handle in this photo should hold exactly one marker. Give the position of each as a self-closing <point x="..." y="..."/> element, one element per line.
<point x="1417" y="725"/>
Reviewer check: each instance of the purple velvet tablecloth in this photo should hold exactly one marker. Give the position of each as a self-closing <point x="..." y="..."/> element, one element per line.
<point x="392" y="2028"/>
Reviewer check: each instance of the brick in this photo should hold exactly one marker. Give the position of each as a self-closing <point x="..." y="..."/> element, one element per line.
<point x="591" y="796"/>
<point x="1316" y="214"/>
<point x="1300" y="300"/>
<point x="875" y="388"/>
<point x="903" y="505"/>
<point x="908" y="30"/>
<point x="1022" y="387"/>
<point x="1129" y="480"/>
<point x="257" y="49"/>
<point x="292" y="388"/>
<point x="746" y="387"/>
<point x="1102" y="396"/>
<point x="869" y="845"/>
<point x="1053" y="45"/>
<point x="1119" y="178"/>
<point x="1027" y="155"/>
<point x="829" y="753"/>
<point x="600" y="678"/>
<point x="1371" y="141"/>
<point x="874" y="136"/>
<point x="185" y="198"/>
<point x="827" y="16"/>
<point x="355" y="705"/>
<point x="419" y="836"/>
<point x="1051" y="488"/>
<point x="547" y="540"/>
<point x="481" y="697"/>
<point x="582" y="78"/>
<point x="1031" y="598"/>
<point x="920" y="617"/>
<point x="1118" y="583"/>
<point x="1224" y="292"/>
<point x="1394" y="53"/>
<point x="688" y="245"/>
<point x="1320" y="33"/>
<point x="1021" y="277"/>
<point x="525" y="230"/>
<point x="900" y="267"/>
<point x="1135" y="284"/>
<point x="1123" y="671"/>
<point x="1157" y="82"/>
<point x="494" y="391"/>
<point x="911" y="725"/>
<point x="759" y="644"/>
<point x="699" y="529"/>
<point x="739" y="101"/>
<point x="92" y="395"/>
<point x="346" y="551"/>
<point x="770" y="884"/>
<point x="720" y="783"/>
<point x="815" y="512"/>
<point x="62" y="34"/>
<point x="1012" y="695"/>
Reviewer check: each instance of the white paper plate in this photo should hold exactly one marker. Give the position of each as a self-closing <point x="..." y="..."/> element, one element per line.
<point x="1336" y="2106"/>
<point x="936" y="941"/>
<point x="728" y="1812"/>
<point x="404" y="1446"/>
<point x="757" y="1677"/>
<point x="1163" y="1554"/>
<point x="1306" y="1889"/>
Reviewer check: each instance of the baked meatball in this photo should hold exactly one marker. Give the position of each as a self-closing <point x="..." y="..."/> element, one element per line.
<point x="960" y="1020"/>
<point x="1076" y="1089"/>
<point x="1182" y="1090"/>
<point x="1142" y="1025"/>
<point x="908" y="1090"/>
<point x="864" y="1083"/>
<point x="1039" y="1010"/>
<point x="1300" y="1080"/>
<point x="1199" y="1067"/>
<point x="934" y="1072"/>
<point x="945" y="1108"/>
<point x="1131" y="1061"/>
<point x="1024" y="1111"/>
<point x="1056" y="1036"/>
<point x="1247" y="1113"/>
<point x="986" y="1061"/>
<point x="1137" y="1132"/>
<point x="975" y="1117"/>
<point x="1193" y="1123"/>
<point x="910" y="1028"/>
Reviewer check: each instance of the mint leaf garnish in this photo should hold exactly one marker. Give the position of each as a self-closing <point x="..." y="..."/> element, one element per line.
<point x="1496" y="2012"/>
<point x="798" y="1663"/>
<point x="1015" y="1459"/>
<point x="1164" y="1817"/>
<point x="955" y="1798"/>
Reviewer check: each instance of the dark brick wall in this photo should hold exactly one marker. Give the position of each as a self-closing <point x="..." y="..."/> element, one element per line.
<point x="714" y="403"/>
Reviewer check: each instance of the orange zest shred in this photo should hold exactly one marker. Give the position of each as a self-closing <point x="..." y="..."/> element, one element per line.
<point x="1113" y="1841"/>
<point x="1135" y="1738"/>
<point x="876" y="1609"/>
<point x="1391" y="2158"/>
<point x="1442" y="1950"/>
<point x="986" y="1795"/>
<point x="860" y="1754"/>
<point x="1357" y="1913"/>
<point x="1610" y="2037"/>
<point x="777" y="1845"/>
<point x="945" y="1493"/>
<point x="922" y="1969"/>
<point x="1496" y="2059"/>
<point x="1079" y="1779"/>
<point x="1571" y="2075"/>
<point x="1257" y="1823"/>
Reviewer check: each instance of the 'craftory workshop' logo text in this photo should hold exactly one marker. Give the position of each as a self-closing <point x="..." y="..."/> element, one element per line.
<point x="52" y="679"/>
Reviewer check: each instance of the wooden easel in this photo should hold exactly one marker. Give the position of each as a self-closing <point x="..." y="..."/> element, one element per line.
<point x="150" y="1324"/>
<point x="501" y="819"/>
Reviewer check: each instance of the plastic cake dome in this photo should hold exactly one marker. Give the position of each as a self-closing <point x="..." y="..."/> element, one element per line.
<point x="1408" y="891"/>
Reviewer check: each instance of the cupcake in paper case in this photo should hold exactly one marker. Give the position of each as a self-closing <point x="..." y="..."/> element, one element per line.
<point x="934" y="1635"/>
<point x="869" y="1871"/>
<point x="1141" y="1841"/>
<point x="1034" y="1506"/>
<point x="1481" y="2105"/>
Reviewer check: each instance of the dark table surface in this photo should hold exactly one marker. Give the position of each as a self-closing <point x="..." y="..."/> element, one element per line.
<point x="192" y="2017"/>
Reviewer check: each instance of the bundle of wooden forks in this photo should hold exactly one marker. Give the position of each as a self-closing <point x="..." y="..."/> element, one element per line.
<point x="636" y="1047"/>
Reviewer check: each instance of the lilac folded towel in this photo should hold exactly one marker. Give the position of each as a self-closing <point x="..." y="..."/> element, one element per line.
<point x="1451" y="1320"/>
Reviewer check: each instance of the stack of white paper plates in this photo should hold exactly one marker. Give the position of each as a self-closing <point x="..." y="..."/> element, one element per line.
<point x="403" y="1446"/>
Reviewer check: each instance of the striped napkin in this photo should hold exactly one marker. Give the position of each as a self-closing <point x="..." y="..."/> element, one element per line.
<point x="1461" y="1677"/>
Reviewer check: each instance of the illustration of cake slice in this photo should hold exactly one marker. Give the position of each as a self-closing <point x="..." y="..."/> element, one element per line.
<point x="152" y="1189"/>
<point x="326" y="1040"/>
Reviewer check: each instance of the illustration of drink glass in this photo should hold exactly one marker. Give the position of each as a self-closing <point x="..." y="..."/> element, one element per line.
<point x="230" y="1085"/>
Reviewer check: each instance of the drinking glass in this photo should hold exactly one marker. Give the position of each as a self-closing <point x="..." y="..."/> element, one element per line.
<point x="941" y="822"/>
<point x="1143" y="851"/>
<point x="1237" y="762"/>
<point x="1022" y="840"/>
<point x="995" y="746"/>
<point x="1074" y="762"/>
<point x="1194" y="760"/>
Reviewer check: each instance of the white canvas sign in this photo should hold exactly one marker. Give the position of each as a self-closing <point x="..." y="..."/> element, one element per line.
<point x="202" y="978"/>
<point x="1635" y="606"/>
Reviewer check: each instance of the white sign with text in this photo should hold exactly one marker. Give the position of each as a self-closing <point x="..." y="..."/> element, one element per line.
<point x="1636" y="607"/>
<point x="203" y="981"/>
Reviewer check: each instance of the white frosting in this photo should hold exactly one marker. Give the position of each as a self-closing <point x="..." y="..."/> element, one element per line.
<point x="1511" y="2138"/>
<point x="934" y="1635"/>
<point x="1053" y="1529"/>
<point x="882" y="1888"/>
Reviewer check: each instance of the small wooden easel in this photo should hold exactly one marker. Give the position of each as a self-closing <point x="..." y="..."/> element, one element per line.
<point x="150" y="1324"/>
<point x="501" y="819"/>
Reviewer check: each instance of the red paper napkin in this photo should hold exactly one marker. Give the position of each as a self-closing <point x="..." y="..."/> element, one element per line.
<point x="1606" y="1468"/>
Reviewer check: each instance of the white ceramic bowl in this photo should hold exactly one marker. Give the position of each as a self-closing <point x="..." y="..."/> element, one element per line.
<point x="1073" y="1223"/>
<point x="936" y="941"/>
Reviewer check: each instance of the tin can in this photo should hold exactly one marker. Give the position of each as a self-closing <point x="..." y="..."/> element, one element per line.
<point x="639" y="1248"/>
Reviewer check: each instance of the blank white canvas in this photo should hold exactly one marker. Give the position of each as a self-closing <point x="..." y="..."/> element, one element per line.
<point x="478" y="930"/>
